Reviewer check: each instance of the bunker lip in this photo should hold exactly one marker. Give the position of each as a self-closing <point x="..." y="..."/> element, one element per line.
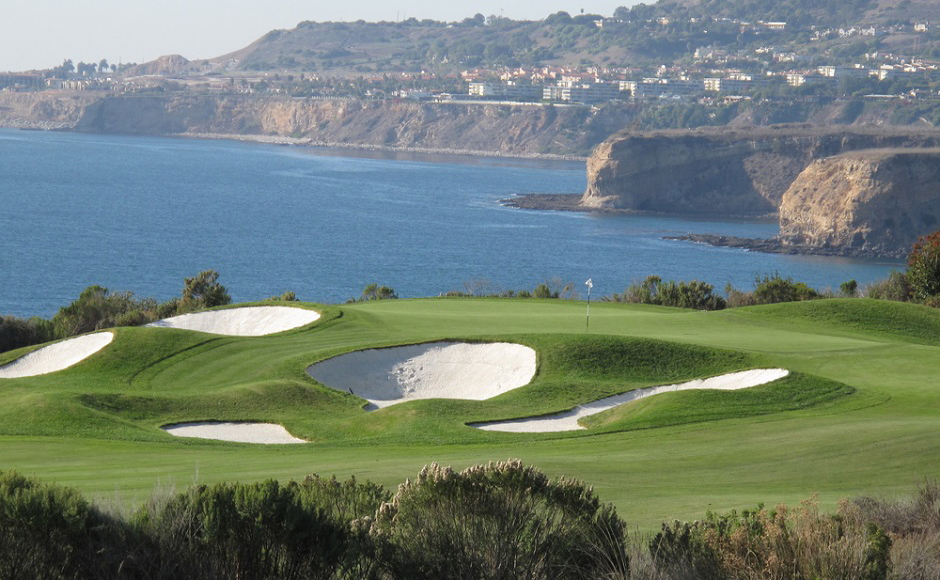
<point x="437" y="370"/>
<point x="568" y="420"/>
<point x="234" y="431"/>
<point x="242" y="321"/>
<point x="56" y="356"/>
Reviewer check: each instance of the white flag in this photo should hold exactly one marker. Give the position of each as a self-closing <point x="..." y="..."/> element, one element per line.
<point x="589" y="283"/>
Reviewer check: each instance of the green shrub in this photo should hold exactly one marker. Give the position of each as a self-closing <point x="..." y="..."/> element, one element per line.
<point x="694" y="294"/>
<point x="97" y="308"/>
<point x="543" y="291"/>
<point x="203" y="291"/>
<point x="894" y="287"/>
<point x="18" y="332"/>
<point x="51" y="532"/>
<point x="772" y="289"/>
<point x="247" y="531"/>
<point x="498" y="521"/>
<point x="923" y="268"/>
<point x="849" y="288"/>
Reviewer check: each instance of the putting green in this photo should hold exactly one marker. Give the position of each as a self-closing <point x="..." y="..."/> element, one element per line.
<point x="856" y="415"/>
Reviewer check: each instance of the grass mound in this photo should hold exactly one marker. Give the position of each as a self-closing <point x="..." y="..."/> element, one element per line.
<point x="881" y="318"/>
<point x="794" y="392"/>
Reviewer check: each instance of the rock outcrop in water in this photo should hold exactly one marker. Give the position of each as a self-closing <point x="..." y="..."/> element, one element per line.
<point x="727" y="171"/>
<point x="868" y="202"/>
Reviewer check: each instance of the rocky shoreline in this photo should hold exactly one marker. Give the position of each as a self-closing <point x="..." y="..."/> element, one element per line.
<point x="775" y="246"/>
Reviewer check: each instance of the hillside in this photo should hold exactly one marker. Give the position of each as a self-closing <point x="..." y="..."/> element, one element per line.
<point x="639" y="36"/>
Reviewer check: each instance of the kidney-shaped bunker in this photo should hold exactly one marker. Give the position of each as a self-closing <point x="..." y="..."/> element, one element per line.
<point x="438" y="370"/>
<point x="244" y="321"/>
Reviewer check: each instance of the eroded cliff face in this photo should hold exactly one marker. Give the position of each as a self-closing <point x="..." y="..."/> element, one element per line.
<point x="721" y="171"/>
<point x="43" y="111"/>
<point x="873" y="202"/>
<point x="516" y="130"/>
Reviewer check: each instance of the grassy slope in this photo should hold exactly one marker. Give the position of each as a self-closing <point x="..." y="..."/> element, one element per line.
<point x="94" y="426"/>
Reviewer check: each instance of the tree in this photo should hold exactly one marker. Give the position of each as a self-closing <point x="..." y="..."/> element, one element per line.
<point x="923" y="268"/>
<point x="103" y="65"/>
<point x="203" y="291"/>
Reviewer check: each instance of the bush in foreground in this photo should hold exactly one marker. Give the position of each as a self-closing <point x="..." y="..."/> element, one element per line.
<point x="501" y="521"/>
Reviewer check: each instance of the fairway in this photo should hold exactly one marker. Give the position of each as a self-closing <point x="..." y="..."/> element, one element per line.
<point x="858" y="412"/>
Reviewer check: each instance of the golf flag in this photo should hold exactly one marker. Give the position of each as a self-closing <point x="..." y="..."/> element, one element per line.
<point x="587" y="320"/>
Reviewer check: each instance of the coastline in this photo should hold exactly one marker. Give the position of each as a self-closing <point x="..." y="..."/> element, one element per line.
<point x="775" y="246"/>
<point x="308" y="142"/>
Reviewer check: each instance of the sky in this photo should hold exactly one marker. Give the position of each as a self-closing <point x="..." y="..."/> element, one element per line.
<point x="38" y="34"/>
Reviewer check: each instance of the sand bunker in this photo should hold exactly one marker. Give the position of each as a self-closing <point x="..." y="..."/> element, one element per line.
<point x="244" y="321"/>
<point x="56" y="357"/>
<point x="568" y="420"/>
<point x="440" y="370"/>
<point x="267" y="433"/>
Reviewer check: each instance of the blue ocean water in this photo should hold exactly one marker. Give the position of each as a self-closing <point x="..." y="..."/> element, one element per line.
<point x="140" y="214"/>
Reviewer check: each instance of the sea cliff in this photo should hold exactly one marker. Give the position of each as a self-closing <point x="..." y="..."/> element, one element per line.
<point x="727" y="171"/>
<point x="872" y="201"/>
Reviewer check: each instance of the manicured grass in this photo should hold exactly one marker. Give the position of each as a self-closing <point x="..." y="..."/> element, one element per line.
<point x="858" y="414"/>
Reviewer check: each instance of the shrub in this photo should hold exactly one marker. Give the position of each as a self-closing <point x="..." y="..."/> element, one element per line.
<point x="801" y="544"/>
<point x="97" y="307"/>
<point x="894" y="287"/>
<point x="849" y="288"/>
<point x="543" y="291"/>
<point x="247" y="531"/>
<point x="48" y="531"/>
<point x="737" y="299"/>
<point x="923" y="267"/>
<point x="285" y="297"/>
<point x="498" y="521"/>
<point x="376" y="292"/>
<point x="203" y="291"/>
<point x="18" y="332"/>
<point x="773" y="289"/>
<point x="694" y="294"/>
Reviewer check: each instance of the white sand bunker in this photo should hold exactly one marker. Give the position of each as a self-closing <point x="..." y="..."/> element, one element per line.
<point x="244" y="321"/>
<point x="56" y="357"/>
<point x="439" y="370"/>
<point x="568" y="420"/>
<point x="266" y="433"/>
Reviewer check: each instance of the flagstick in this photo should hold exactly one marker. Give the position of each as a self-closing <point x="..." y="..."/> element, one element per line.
<point x="587" y="320"/>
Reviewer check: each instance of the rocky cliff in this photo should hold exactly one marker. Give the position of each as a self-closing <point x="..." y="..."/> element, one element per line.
<point x="868" y="202"/>
<point x="722" y="171"/>
<point x="42" y="110"/>
<point x="496" y="129"/>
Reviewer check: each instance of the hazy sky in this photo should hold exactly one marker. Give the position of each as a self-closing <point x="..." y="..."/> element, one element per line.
<point x="37" y="34"/>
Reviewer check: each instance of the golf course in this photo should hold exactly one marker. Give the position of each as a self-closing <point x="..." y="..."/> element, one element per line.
<point x="854" y="410"/>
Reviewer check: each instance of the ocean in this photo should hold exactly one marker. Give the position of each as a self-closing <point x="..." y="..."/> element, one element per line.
<point x="139" y="214"/>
